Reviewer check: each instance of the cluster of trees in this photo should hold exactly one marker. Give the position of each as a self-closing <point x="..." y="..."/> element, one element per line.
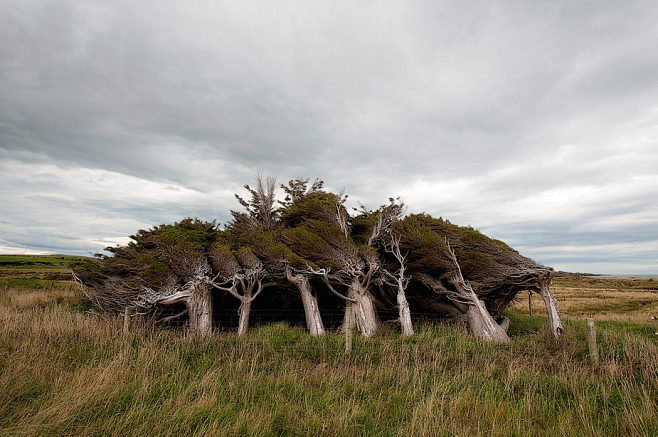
<point x="309" y="247"/>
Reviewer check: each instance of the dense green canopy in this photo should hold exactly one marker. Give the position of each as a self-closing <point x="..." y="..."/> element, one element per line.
<point x="311" y="236"/>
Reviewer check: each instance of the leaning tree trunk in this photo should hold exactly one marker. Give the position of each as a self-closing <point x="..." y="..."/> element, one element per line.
<point x="310" y="302"/>
<point x="243" y="315"/>
<point x="198" y="301"/>
<point x="551" y="307"/>
<point x="364" y="310"/>
<point x="405" y="312"/>
<point x="480" y="322"/>
<point x="482" y="325"/>
<point x="199" y="308"/>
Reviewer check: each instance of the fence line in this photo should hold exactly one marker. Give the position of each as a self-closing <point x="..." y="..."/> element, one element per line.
<point x="225" y="320"/>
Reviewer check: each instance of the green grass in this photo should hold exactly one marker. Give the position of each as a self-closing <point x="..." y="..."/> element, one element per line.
<point x="67" y="372"/>
<point x="523" y="322"/>
<point x="36" y="273"/>
<point x="39" y="259"/>
<point x="37" y="284"/>
<point x="37" y="267"/>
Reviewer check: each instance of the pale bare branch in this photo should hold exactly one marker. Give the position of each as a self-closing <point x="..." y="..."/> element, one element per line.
<point x="323" y="273"/>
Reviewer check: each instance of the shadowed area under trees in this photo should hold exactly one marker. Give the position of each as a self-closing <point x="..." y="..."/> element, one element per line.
<point x="308" y="248"/>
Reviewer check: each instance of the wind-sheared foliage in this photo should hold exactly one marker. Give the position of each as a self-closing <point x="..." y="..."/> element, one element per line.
<point x="163" y="258"/>
<point x="312" y="204"/>
<point x="260" y="211"/>
<point x="310" y="238"/>
<point x="426" y="249"/>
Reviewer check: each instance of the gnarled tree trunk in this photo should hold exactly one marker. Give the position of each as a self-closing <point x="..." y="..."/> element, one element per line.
<point x="243" y="315"/>
<point x="199" y="308"/>
<point x="198" y="301"/>
<point x="480" y="322"/>
<point x="310" y="302"/>
<point x="482" y="325"/>
<point x="551" y="307"/>
<point x="405" y="312"/>
<point x="364" y="312"/>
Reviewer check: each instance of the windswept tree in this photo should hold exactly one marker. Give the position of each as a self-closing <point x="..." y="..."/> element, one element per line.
<point x="439" y="283"/>
<point x="260" y="211"/>
<point x="241" y="274"/>
<point x="496" y="271"/>
<point x="296" y="191"/>
<point x="398" y="279"/>
<point x="374" y="258"/>
<point x="295" y="270"/>
<point x="162" y="266"/>
<point x="372" y="228"/>
<point x="259" y="229"/>
<point x="288" y="270"/>
<point x="320" y="233"/>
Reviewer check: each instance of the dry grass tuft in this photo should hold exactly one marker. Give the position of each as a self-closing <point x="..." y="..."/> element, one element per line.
<point x="69" y="372"/>
<point x="611" y="299"/>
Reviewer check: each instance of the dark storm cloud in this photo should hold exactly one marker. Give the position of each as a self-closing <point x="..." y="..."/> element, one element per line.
<point x="106" y="97"/>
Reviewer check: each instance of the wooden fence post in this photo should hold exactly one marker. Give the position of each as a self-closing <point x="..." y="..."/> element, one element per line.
<point x="348" y="327"/>
<point x="530" y="302"/>
<point x="126" y="321"/>
<point x="591" y="341"/>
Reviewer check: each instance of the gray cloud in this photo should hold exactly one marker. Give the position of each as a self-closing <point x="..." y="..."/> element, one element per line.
<point x="534" y="121"/>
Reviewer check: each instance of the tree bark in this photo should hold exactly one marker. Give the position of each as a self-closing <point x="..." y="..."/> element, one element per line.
<point x="310" y="302"/>
<point x="401" y="282"/>
<point x="480" y="322"/>
<point x="482" y="325"/>
<point x="554" y="320"/>
<point x="504" y="324"/>
<point x="199" y="308"/>
<point x="243" y="313"/>
<point x="405" y="312"/>
<point x="198" y="301"/>
<point x="364" y="310"/>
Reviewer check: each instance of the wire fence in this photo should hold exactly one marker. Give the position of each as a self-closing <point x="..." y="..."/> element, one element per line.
<point x="332" y="320"/>
<point x="269" y="334"/>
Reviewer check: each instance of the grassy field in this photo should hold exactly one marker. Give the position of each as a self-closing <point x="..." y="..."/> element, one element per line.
<point x="601" y="298"/>
<point x="52" y="260"/>
<point x="64" y="371"/>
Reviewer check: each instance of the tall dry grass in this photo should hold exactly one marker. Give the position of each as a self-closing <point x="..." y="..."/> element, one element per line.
<point x="64" y="372"/>
<point x="578" y="301"/>
<point x="18" y="298"/>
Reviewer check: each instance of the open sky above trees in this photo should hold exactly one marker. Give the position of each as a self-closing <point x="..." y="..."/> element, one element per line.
<point x="536" y="122"/>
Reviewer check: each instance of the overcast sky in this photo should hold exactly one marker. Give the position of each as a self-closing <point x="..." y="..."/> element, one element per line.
<point x="534" y="121"/>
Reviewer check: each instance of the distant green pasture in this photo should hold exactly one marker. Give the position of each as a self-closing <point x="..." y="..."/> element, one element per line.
<point x="36" y="284"/>
<point x="41" y="259"/>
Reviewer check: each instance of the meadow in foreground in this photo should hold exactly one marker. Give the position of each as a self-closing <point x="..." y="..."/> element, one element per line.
<point x="64" y="371"/>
